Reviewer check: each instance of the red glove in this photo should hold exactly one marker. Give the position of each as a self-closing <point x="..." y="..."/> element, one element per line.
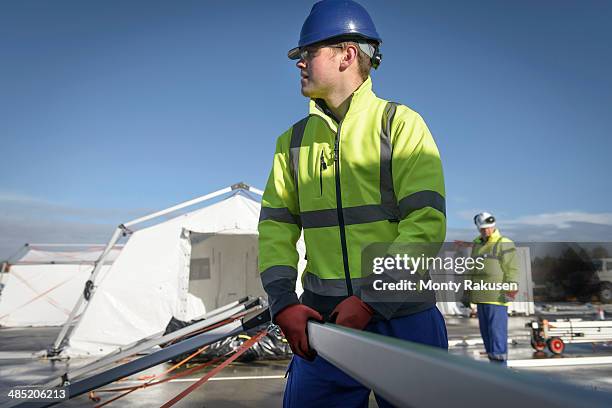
<point x="292" y="321"/>
<point x="510" y="295"/>
<point x="352" y="312"/>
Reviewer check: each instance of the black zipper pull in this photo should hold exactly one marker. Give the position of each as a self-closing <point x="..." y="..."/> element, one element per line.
<point x="323" y="164"/>
<point x="323" y="167"/>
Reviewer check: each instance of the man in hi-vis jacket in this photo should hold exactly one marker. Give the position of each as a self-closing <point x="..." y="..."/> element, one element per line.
<point x="500" y="267"/>
<point x="357" y="170"/>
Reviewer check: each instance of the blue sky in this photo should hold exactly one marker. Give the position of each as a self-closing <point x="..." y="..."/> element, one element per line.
<point x="113" y="109"/>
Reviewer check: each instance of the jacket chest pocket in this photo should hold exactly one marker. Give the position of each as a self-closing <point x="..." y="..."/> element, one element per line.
<point x="322" y="181"/>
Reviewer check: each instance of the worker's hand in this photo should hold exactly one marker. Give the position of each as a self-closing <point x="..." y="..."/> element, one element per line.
<point x="352" y="312"/>
<point x="510" y="295"/>
<point x="293" y="321"/>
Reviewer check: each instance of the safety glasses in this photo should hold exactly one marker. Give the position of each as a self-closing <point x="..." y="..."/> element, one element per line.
<point x="307" y="53"/>
<point x="488" y="220"/>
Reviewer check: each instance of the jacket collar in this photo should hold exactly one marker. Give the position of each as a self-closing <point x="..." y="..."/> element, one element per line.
<point x="495" y="236"/>
<point x="360" y="100"/>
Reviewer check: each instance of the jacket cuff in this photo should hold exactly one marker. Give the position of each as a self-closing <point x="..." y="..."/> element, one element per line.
<point x="279" y="284"/>
<point x="278" y="304"/>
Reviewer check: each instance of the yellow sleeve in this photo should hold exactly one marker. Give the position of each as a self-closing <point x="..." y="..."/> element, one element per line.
<point x="279" y="229"/>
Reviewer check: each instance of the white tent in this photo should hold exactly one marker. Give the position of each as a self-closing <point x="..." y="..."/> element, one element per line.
<point x="210" y="252"/>
<point x="42" y="282"/>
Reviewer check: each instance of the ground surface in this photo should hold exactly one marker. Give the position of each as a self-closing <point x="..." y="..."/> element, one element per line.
<point x="260" y="384"/>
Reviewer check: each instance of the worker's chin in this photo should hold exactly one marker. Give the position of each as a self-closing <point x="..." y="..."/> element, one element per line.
<point x="307" y="92"/>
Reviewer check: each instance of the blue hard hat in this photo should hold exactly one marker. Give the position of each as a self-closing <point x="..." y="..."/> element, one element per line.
<point x="335" y="18"/>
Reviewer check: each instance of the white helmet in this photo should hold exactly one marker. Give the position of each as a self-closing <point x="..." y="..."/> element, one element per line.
<point x="484" y="220"/>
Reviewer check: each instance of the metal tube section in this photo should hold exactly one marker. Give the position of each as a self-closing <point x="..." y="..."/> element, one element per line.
<point x="2" y="273"/>
<point x="98" y="266"/>
<point x="178" y="207"/>
<point x="408" y="374"/>
<point x="37" y="246"/>
<point x="63" y="263"/>
<point x="222" y="309"/>
<point x="256" y="190"/>
<point x="147" y="344"/>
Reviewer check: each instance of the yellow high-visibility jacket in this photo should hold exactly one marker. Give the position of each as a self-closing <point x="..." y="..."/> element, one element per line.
<point x="500" y="266"/>
<point x="374" y="177"/>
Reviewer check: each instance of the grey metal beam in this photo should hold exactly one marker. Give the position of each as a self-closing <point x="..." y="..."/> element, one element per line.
<point x="414" y="375"/>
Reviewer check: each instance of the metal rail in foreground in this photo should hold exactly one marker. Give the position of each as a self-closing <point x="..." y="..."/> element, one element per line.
<point x="408" y="374"/>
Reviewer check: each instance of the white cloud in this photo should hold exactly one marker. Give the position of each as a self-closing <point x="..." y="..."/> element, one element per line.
<point x="575" y="226"/>
<point x="564" y="219"/>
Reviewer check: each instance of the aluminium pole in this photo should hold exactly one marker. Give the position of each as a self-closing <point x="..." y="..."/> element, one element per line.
<point x="409" y="374"/>
<point x="2" y="271"/>
<point x="256" y="190"/>
<point x="87" y="291"/>
<point x="178" y="207"/>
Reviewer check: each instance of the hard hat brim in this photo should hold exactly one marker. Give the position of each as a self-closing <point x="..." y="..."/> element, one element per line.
<point x="486" y="226"/>
<point x="294" y="53"/>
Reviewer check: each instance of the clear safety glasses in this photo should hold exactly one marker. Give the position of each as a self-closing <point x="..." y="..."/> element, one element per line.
<point x="307" y="53"/>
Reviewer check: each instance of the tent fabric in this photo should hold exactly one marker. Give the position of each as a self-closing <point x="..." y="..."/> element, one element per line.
<point x="138" y="295"/>
<point x="238" y="214"/>
<point x="149" y="282"/>
<point x="58" y="254"/>
<point x="43" y="283"/>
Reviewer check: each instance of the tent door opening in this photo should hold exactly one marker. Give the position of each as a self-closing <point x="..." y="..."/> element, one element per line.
<point x="223" y="268"/>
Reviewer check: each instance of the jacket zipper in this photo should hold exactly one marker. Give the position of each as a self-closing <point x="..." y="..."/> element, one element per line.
<point x="323" y="167"/>
<point x="347" y="273"/>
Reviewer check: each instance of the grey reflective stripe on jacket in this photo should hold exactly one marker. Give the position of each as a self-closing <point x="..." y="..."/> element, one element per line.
<point x="422" y="199"/>
<point x="297" y="134"/>
<point x="495" y="253"/>
<point x="279" y="284"/>
<point x="278" y="215"/>
<point x="328" y="287"/>
<point x="387" y="194"/>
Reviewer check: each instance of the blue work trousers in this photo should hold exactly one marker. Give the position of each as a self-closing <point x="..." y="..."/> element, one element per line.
<point x="321" y="384"/>
<point x="493" y="322"/>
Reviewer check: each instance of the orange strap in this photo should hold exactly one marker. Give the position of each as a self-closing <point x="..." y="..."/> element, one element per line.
<point x="247" y="344"/>
<point x="39" y="295"/>
<point x="151" y="382"/>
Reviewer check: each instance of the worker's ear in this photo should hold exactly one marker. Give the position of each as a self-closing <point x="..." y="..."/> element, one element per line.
<point x="349" y="56"/>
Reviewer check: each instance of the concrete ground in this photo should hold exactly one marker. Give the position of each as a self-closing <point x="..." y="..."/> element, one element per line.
<point x="260" y="384"/>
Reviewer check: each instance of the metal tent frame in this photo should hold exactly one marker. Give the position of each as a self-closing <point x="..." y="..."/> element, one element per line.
<point x="123" y="230"/>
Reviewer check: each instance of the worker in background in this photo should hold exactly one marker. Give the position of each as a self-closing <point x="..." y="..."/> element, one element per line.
<point x="356" y="170"/>
<point x="500" y="266"/>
